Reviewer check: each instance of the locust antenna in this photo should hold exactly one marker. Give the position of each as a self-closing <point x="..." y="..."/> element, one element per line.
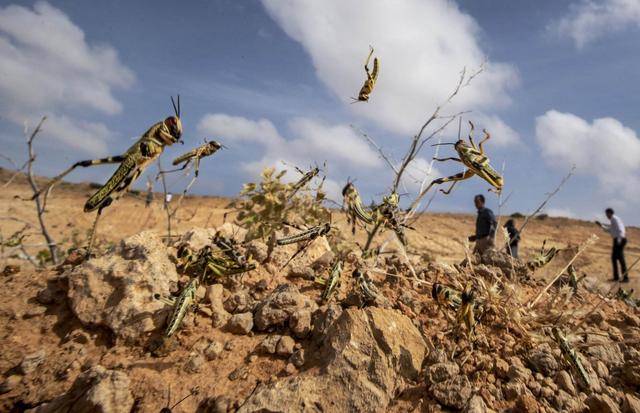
<point x="175" y="109"/>
<point x="459" y="126"/>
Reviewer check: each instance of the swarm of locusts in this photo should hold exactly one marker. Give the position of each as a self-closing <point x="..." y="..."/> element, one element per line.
<point x="466" y="304"/>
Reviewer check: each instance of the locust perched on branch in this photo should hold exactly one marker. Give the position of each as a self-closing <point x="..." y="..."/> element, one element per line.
<point x="474" y="159"/>
<point x="132" y="163"/>
<point x="372" y="77"/>
<point x="543" y="257"/>
<point x="387" y="214"/>
<point x="354" y="208"/>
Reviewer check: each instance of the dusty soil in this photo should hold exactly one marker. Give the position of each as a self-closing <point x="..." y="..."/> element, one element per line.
<point x="32" y="321"/>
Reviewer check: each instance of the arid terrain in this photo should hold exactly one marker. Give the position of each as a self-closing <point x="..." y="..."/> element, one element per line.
<point x="72" y="338"/>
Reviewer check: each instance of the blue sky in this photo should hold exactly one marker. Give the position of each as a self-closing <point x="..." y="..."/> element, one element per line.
<point x="272" y="81"/>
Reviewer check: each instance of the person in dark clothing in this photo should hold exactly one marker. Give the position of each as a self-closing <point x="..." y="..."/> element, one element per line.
<point x="514" y="238"/>
<point x="485" y="227"/>
<point x="617" y="231"/>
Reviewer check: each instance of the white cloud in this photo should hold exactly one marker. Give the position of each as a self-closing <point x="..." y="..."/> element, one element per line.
<point x="604" y="149"/>
<point x="589" y="20"/>
<point x="313" y="142"/>
<point x="422" y="46"/>
<point x="48" y="67"/>
<point x="418" y="171"/>
<point x="561" y="212"/>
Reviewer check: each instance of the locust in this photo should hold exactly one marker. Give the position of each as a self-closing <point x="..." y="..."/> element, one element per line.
<point x="372" y="77"/>
<point x="332" y="283"/>
<point x="305" y="237"/>
<point x="132" y="163"/>
<point x="206" y="264"/>
<point x="623" y="294"/>
<point x="354" y="208"/>
<point x="543" y="257"/>
<point x="366" y="289"/>
<point x="228" y="247"/>
<point x="183" y="304"/>
<point x="304" y="180"/>
<point x="15" y="239"/>
<point x="387" y="214"/>
<point x="571" y="279"/>
<point x="446" y="296"/>
<point x="572" y="357"/>
<point x="469" y="312"/>
<point x="474" y="159"/>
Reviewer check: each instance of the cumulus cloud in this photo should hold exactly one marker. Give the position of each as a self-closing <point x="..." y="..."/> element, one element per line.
<point x="604" y="149"/>
<point x="589" y="20"/>
<point x="312" y="142"/>
<point x="422" y="46"/>
<point x="48" y="67"/>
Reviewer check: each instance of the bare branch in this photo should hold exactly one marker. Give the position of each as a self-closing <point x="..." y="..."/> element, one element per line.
<point x="549" y="196"/>
<point x="378" y="148"/>
<point x="40" y="203"/>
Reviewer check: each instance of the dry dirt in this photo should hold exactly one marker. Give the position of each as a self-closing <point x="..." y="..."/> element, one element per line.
<point x="30" y="323"/>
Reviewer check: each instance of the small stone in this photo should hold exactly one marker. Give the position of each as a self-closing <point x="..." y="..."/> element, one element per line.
<point x="324" y="261"/>
<point x="45" y="296"/>
<point x="213" y="350"/>
<point x="229" y="345"/>
<point x="630" y="404"/>
<point x="31" y="362"/>
<point x="476" y="405"/>
<point x="239" y="302"/>
<point x="302" y="271"/>
<point x="221" y="404"/>
<point x="563" y="380"/>
<point x="454" y="392"/>
<point x="241" y="373"/>
<point x="513" y="389"/>
<point x="285" y="346"/>
<point x="297" y="358"/>
<point x="601" y="370"/>
<point x="600" y="403"/>
<point x="195" y="363"/>
<point x="526" y="403"/>
<point x="518" y="373"/>
<point x="440" y="372"/>
<point x="290" y="369"/>
<point x="10" y="383"/>
<point x="268" y="345"/>
<point x="240" y="323"/>
<point x="501" y="367"/>
<point x="300" y="323"/>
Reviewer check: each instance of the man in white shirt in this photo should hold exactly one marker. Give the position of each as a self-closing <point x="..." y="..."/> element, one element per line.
<point x="617" y="231"/>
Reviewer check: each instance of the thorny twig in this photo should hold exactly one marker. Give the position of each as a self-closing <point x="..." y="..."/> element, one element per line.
<point x="549" y="196"/>
<point x="40" y="203"/>
<point x="17" y="169"/>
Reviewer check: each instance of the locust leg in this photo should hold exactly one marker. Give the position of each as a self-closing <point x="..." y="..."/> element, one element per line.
<point x="471" y="135"/>
<point x="453" y="178"/>
<point x="301" y="249"/>
<point x="84" y="164"/>
<point x="487" y="136"/>
<point x="174" y="170"/>
<point x="446" y="159"/>
<point x="105" y="204"/>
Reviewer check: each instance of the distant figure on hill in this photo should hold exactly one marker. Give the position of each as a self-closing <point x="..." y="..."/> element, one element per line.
<point x="617" y="231"/>
<point x="485" y="227"/>
<point x="514" y="238"/>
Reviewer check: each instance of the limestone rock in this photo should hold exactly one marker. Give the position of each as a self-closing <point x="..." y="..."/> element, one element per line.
<point x="241" y="323"/>
<point x="117" y="290"/>
<point x="278" y="307"/>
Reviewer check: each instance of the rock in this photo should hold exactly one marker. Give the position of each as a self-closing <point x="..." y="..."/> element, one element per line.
<point x="31" y="362"/>
<point x="239" y="302"/>
<point x="257" y="250"/>
<point x="526" y="403"/>
<point x="232" y="231"/>
<point x="10" y="383"/>
<point x="542" y="360"/>
<point x="366" y="354"/>
<point x="609" y="353"/>
<point x="240" y="323"/>
<point x="241" y="373"/>
<point x="601" y="370"/>
<point x="285" y="346"/>
<point x="563" y="380"/>
<point x="278" y="307"/>
<point x="194" y="363"/>
<point x="95" y="390"/>
<point x="46" y="296"/>
<point x="518" y="373"/>
<point x="213" y="350"/>
<point x="116" y="290"/>
<point x="269" y="344"/>
<point x="322" y="319"/>
<point x="302" y="271"/>
<point x="315" y="250"/>
<point x="439" y="372"/>
<point x="630" y="404"/>
<point x="476" y="405"/>
<point x="214" y="295"/>
<point x="501" y="367"/>
<point x="454" y="392"/>
<point x="407" y="298"/>
<point x="290" y="369"/>
<point x="513" y="389"/>
<point x="600" y="403"/>
<point x="324" y="261"/>
<point x="297" y="358"/>
<point x="300" y="322"/>
<point x="197" y="238"/>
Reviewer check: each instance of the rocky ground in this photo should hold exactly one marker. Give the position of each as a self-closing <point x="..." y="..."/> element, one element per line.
<point x="84" y="337"/>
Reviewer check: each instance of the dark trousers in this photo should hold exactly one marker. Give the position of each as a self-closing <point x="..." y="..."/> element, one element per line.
<point x="617" y="255"/>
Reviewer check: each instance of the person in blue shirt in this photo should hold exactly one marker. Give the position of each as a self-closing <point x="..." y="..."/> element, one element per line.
<point x="485" y="227"/>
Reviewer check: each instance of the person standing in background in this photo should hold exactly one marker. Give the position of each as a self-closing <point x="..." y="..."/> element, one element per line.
<point x="485" y="227"/>
<point x="514" y="238"/>
<point x="617" y="231"/>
